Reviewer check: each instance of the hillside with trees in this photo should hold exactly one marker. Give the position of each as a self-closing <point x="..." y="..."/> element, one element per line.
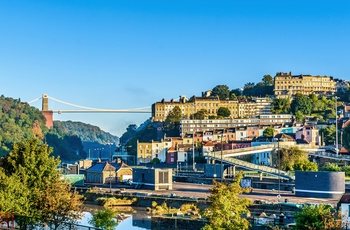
<point x="19" y="121"/>
<point x="86" y="132"/>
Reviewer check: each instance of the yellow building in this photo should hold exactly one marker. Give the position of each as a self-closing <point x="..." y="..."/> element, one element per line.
<point x="287" y="85"/>
<point x="147" y="151"/>
<point x="144" y="152"/>
<point x="238" y="109"/>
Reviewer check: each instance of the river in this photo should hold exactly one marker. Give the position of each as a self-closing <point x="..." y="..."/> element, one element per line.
<point x="138" y="219"/>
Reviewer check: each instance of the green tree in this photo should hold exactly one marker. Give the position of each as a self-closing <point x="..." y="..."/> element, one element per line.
<point x="328" y="135"/>
<point x="248" y="89"/>
<point x="222" y="91"/>
<point x="130" y="133"/>
<point x="346" y="138"/>
<point x="223" y="112"/>
<point x="269" y="132"/>
<point x="320" y="217"/>
<point x="299" y="116"/>
<point x="281" y="105"/>
<point x="155" y="161"/>
<point x="235" y="93"/>
<point x="305" y="165"/>
<point x="332" y="167"/>
<point x="201" y="114"/>
<point x="227" y="208"/>
<point x="104" y="219"/>
<point x="301" y="103"/>
<point x="172" y="122"/>
<point x="293" y="158"/>
<point x="48" y="197"/>
<point x="267" y="80"/>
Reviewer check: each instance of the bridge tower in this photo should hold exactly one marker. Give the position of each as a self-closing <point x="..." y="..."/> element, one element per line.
<point x="48" y="114"/>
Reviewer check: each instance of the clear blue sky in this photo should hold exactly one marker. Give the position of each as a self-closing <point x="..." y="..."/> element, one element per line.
<point x="115" y="54"/>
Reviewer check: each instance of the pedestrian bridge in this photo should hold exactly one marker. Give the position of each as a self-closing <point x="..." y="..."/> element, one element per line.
<point x="250" y="166"/>
<point x="229" y="157"/>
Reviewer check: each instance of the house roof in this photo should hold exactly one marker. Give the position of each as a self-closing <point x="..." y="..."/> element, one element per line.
<point x="345" y="198"/>
<point x="105" y="166"/>
<point x="172" y="150"/>
<point x="343" y="150"/>
<point x="208" y="144"/>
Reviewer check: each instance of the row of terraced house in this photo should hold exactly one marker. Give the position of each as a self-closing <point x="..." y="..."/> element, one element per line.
<point x="200" y="138"/>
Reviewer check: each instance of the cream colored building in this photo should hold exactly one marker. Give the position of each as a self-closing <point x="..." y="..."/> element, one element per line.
<point x="190" y="126"/>
<point x="287" y="85"/>
<point x="238" y="109"/>
<point x="147" y="151"/>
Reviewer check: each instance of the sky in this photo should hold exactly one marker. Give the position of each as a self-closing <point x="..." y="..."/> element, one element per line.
<point x="124" y="54"/>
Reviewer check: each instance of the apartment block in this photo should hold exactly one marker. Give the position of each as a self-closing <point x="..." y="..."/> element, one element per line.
<point x="189" y="126"/>
<point x="287" y="85"/>
<point x="238" y="109"/>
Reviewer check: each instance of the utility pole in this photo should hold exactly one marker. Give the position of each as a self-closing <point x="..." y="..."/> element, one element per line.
<point x="336" y="128"/>
<point x="221" y="168"/>
<point x="193" y="164"/>
<point x="279" y="170"/>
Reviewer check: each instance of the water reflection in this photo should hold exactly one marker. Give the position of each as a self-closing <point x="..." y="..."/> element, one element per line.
<point x="133" y="218"/>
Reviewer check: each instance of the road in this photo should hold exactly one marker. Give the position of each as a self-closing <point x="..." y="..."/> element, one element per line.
<point x="202" y="191"/>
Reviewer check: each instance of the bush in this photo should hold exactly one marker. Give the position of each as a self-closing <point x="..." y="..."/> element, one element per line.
<point x="332" y="167"/>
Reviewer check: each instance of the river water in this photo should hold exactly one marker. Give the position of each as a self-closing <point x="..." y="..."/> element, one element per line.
<point x="135" y="218"/>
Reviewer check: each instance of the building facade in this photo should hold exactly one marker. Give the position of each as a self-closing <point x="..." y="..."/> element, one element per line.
<point x="287" y="85"/>
<point x="238" y="109"/>
<point x="189" y="126"/>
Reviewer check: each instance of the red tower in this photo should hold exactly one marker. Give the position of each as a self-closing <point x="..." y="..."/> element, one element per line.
<point x="48" y="114"/>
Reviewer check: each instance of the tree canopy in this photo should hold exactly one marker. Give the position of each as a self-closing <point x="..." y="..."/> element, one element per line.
<point x="18" y="121"/>
<point x="201" y="114"/>
<point x="320" y="217"/>
<point x="172" y="122"/>
<point x="227" y="208"/>
<point x="223" y="112"/>
<point x="269" y="132"/>
<point x="293" y="158"/>
<point x="37" y="190"/>
<point x="301" y="103"/>
<point x="346" y="138"/>
<point x="281" y="106"/>
<point x="328" y="135"/>
<point x="222" y="91"/>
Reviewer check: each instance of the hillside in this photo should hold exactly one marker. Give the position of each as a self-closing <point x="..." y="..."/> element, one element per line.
<point x="86" y="132"/>
<point x="20" y="121"/>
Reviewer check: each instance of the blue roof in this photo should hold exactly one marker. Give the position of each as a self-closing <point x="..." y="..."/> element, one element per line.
<point x="100" y="167"/>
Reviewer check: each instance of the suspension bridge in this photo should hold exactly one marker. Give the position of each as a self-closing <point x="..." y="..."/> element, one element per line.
<point x="48" y="114"/>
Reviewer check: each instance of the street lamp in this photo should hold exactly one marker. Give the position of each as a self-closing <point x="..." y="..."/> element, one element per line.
<point x="279" y="168"/>
<point x="221" y="169"/>
<point x="336" y="128"/>
<point x="193" y="164"/>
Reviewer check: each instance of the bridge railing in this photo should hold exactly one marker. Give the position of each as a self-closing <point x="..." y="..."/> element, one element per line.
<point x="249" y="165"/>
<point x="242" y="150"/>
<point x="331" y="155"/>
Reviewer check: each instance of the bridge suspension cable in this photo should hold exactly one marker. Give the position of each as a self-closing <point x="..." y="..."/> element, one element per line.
<point x="86" y="109"/>
<point x="32" y="101"/>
